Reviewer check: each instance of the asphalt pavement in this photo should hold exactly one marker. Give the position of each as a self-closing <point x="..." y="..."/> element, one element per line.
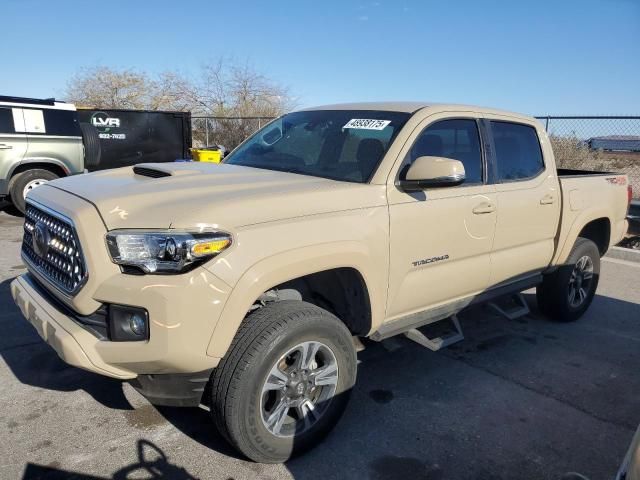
<point x="523" y="399"/>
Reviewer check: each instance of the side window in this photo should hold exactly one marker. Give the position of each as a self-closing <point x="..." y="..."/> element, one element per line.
<point x="458" y="139"/>
<point x="61" y="122"/>
<point x="6" y="121"/>
<point x="518" y="154"/>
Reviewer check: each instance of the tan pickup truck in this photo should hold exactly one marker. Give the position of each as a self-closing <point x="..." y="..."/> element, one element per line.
<point x="244" y="286"/>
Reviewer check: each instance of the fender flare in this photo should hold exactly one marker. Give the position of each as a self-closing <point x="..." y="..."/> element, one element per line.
<point x="577" y="226"/>
<point x="286" y="266"/>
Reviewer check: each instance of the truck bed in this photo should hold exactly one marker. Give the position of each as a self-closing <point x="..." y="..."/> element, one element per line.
<point x="588" y="196"/>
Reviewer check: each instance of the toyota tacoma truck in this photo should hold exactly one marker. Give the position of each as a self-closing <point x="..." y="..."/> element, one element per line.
<point x="244" y="287"/>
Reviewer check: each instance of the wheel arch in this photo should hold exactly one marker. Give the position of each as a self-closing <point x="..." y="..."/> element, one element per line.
<point x="341" y="291"/>
<point x="599" y="232"/>
<point x="54" y="166"/>
<point x="595" y="225"/>
<point x="309" y="267"/>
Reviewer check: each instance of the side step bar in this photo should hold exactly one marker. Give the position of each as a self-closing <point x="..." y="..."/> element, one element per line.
<point x="426" y="317"/>
<point x="435" y="344"/>
<point x="511" y="306"/>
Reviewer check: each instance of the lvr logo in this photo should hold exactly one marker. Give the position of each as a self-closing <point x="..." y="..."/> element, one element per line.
<point x="103" y="122"/>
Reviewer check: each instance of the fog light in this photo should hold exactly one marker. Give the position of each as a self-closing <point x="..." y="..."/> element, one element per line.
<point x="138" y="324"/>
<point x="128" y="324"/>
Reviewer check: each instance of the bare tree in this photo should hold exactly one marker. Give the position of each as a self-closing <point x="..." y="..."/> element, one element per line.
<point x="222" y="89"/>
<point x="103" y="87"/>
<point x="238" y="94"/>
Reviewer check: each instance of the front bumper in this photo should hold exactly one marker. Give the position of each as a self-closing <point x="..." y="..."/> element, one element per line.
<point x="74" y="344"/>
<point x="183" y="311"/>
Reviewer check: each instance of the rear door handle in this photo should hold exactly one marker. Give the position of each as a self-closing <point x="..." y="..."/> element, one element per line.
<point x="484" y="207"/>
<point x="4" y="146"/>
<point x="547" y="199"/>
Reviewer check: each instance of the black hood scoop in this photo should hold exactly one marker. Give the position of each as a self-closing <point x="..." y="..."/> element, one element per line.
<point x="150" y="172"/>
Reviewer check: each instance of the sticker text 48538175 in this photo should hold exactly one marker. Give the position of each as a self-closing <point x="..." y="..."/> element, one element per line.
<point x="367" y="124"/>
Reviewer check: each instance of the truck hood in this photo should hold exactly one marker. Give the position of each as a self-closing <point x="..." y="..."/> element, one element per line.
<point x="184" y="195"/>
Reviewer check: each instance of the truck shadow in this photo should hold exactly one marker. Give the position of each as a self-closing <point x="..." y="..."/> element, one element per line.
<point x="34" y="363"/>
<point x="152" y="463"/>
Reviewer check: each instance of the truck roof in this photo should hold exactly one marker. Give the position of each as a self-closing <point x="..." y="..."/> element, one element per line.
<point x="411" y="107"/>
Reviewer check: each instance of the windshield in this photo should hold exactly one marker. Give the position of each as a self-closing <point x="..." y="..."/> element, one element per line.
<point x="344" y="145"/>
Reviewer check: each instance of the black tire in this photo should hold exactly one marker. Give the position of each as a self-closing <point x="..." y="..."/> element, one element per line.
<point x="236" y="385"/>
<point x="553" y="293"/>
<point x="19" y="182"/>
<point x="92" y="149"/>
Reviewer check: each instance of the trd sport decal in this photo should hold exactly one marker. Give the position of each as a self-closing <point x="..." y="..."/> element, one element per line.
<point x="426" y="261"/>
<point x="617" y="181"/>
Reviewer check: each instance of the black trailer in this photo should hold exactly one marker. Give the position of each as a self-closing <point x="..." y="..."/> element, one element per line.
<point x="128" y="137"/>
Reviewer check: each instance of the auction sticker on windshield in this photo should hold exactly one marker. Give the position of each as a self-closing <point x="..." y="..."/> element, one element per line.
<point x="367" y="124"/>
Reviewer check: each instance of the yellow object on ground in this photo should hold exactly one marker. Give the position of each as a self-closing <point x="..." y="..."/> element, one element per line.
<point x="206" y="155"/>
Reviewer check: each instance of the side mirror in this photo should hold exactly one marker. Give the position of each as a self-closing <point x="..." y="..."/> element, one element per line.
<point x="432" y="172"/>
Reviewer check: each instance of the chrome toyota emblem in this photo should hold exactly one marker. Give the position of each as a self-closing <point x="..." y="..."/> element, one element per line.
<point x="41" y="239"/>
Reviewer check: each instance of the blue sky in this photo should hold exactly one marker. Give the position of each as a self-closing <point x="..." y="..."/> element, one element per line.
<point x="537" y="57"/>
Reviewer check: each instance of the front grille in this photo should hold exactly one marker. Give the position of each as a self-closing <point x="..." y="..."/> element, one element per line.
<point x="51" y="247"/>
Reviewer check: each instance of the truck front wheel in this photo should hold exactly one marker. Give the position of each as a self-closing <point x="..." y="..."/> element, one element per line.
<point x="565" y="294"/>
<point x="284" y="382"/>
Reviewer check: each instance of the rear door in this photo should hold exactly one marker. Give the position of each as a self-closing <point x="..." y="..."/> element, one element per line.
<point x="13" y="143"/>
<point x="54" y="137"/>
<point x="528" y="201"/>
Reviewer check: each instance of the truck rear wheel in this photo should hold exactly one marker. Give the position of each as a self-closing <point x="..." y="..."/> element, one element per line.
<point x="284" y="382"/>
<point x="22" y="183"/>
<point x="565" y="294"/>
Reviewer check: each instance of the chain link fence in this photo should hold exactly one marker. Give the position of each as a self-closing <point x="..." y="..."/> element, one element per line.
<point x="579" y="142"/>
<point x="597" y="143"/>
<point x="227" y="131"/>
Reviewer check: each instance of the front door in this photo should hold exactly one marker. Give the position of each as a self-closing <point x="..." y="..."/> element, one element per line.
<point x="441" y="238"/>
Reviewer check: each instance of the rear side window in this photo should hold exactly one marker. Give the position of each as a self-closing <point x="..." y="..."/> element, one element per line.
<point x="457" y="139"/>
<point x="6" y="121"/>
<point x="61" y="122"/>
<point x="518" y="154"/>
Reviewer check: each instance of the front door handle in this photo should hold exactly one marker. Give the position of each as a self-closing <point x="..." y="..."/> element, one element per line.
<point x="484" y="207"/>
<point x="4" y="146"/>
<point x="547" y="199"/>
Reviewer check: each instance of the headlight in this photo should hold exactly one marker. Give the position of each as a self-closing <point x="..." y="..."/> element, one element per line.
<point x="167" y="251"/>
